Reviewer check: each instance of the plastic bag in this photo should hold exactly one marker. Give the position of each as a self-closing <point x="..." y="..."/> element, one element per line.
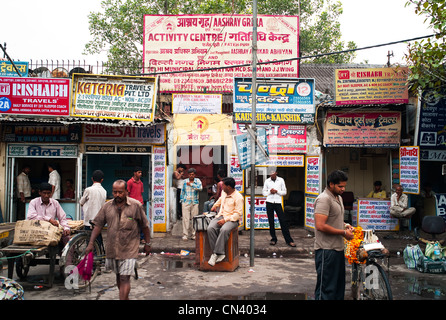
<point x="412" y="254"/>
<point x="85" y="267"/>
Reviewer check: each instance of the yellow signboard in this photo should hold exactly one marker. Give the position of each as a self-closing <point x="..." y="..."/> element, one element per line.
<point x="371" y="86"/>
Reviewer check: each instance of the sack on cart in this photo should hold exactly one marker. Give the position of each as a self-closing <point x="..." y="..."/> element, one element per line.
<point x="36" y="233"/>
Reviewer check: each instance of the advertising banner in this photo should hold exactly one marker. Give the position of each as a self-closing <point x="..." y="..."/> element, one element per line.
<point x="278" y="101"/>
<point x="8" y="70"/>
<point x="363" y="129"/>
<point x="196" y="103"/>
<point x="260" y="216"/>
<point x="432" y="124"/>
<point x="410" y="169"/>
<point x="313" y="175"/>
<point x="35" y="96"/>
<point x="159" y="180"/>
<point x="371" y="86"/>
<point x="282" y="138"/>
<point x="236" y="173"/>
<point x="114" y="97"/>
<point x="441" y="204"/>
<point x="180" y="43"/>
<point x="375" y="214"/>
<point x="309" y="212"/>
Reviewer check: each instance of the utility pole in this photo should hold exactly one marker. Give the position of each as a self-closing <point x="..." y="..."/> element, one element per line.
<point x="253" y="127"/>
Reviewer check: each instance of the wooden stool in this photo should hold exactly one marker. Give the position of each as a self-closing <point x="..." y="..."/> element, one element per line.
<point x="203" y="252"/>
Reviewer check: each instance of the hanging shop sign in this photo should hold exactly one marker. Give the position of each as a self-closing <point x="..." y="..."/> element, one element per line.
<point x="371" y="86"/>
<point x="96" y="133"/>
<point x="8" y="70"/>
<point x="410" y="169"/>
<point x="196" y="103"/>
<point x="181" y="43"/>
<point x="366" y="129"/>
<point x="114" y="97"/>
<point x="29" y="151"/>
<point x="205" y="129"/>
<point x="278" y="101"/>
<point x="282" y="138"/>
<point x="243" y="143"/>
<point x="432" y="123"/>
<point x="53" y="133"/>
<point x="34" y="96"/>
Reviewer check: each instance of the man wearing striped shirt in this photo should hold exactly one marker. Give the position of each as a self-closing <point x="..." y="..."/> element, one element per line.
<point x="189" y="201"/>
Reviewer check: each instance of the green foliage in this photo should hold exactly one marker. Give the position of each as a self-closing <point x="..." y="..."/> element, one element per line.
<point x="426" y="58"/>
<point x="119" y="29"/>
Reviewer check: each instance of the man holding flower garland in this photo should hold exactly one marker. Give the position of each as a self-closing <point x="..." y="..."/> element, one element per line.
<point x="330" y="231"/>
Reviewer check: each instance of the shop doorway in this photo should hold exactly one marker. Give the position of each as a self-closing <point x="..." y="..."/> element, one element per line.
<point x="207" y="160"/>
<point x="68" y="166"/>
<point x="118" y="166"/>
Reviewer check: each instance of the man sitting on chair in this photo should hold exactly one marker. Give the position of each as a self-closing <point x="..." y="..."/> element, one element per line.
<point x="231" y="202"/>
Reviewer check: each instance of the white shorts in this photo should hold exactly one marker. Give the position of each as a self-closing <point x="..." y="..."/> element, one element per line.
<point x="124" y="267"/>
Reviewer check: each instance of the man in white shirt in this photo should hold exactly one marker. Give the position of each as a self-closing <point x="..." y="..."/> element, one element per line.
<point x="399" y="203"/>
<point x="93" y="198"/>
<point x="274" y="189"/>
<point x="54" y="180"/>
<point x="23" y="191"/>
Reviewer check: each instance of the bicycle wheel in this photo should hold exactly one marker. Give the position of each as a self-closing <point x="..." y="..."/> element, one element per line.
<point x="72" y="255"/>
<point x="376" y="284"/>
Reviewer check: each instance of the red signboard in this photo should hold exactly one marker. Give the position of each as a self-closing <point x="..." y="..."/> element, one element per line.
<point x="35" y="96"/>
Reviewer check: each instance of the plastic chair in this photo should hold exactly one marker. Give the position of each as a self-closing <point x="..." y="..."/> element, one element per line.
<point x="433" y="225"/>
<point x="294" y="206"/>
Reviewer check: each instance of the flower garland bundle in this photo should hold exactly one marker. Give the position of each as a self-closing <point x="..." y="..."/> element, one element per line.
<point x="352" y="246"/>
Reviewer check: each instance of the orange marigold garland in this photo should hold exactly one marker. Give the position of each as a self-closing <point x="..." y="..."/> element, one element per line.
<point x="352" y="246"/>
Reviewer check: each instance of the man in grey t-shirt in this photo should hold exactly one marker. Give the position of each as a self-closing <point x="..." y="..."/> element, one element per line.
<point x="329" y="243"/>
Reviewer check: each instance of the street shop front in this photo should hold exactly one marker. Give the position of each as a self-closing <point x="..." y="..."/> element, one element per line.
<point x="362" y="136"/>
<point x="284" y="126"/>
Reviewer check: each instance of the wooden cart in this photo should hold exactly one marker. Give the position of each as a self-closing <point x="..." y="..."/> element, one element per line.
<point x="24" y="256"/>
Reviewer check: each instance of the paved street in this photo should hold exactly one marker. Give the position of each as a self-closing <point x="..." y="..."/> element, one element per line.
<point x="279" y="272"/>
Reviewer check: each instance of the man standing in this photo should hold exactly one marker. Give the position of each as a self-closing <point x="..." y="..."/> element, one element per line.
<point x="23" y="191"/>
<point x="177" y="182"/>
<point x="48" y="209"/>
<point x="231" y="203"/>
<point x="93" y="198"/>
<point x="274" y="189"/>
<point x="124" y="217"/>
<point x="189" y="200"/>
<point x="54" y="180"/>
<point x="135" y="185"/>
<point x="329" y="243"/>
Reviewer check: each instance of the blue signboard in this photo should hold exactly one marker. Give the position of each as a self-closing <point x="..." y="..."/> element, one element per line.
<point x="8" y="70"/>
<point x="243" y="143"/>
<point x="432" y="126"/>
<point x="278" y="101"/>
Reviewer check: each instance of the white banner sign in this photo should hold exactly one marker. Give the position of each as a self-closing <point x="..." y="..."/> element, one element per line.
<point x="190" y="42"/>
<point x="196" y="103"/>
